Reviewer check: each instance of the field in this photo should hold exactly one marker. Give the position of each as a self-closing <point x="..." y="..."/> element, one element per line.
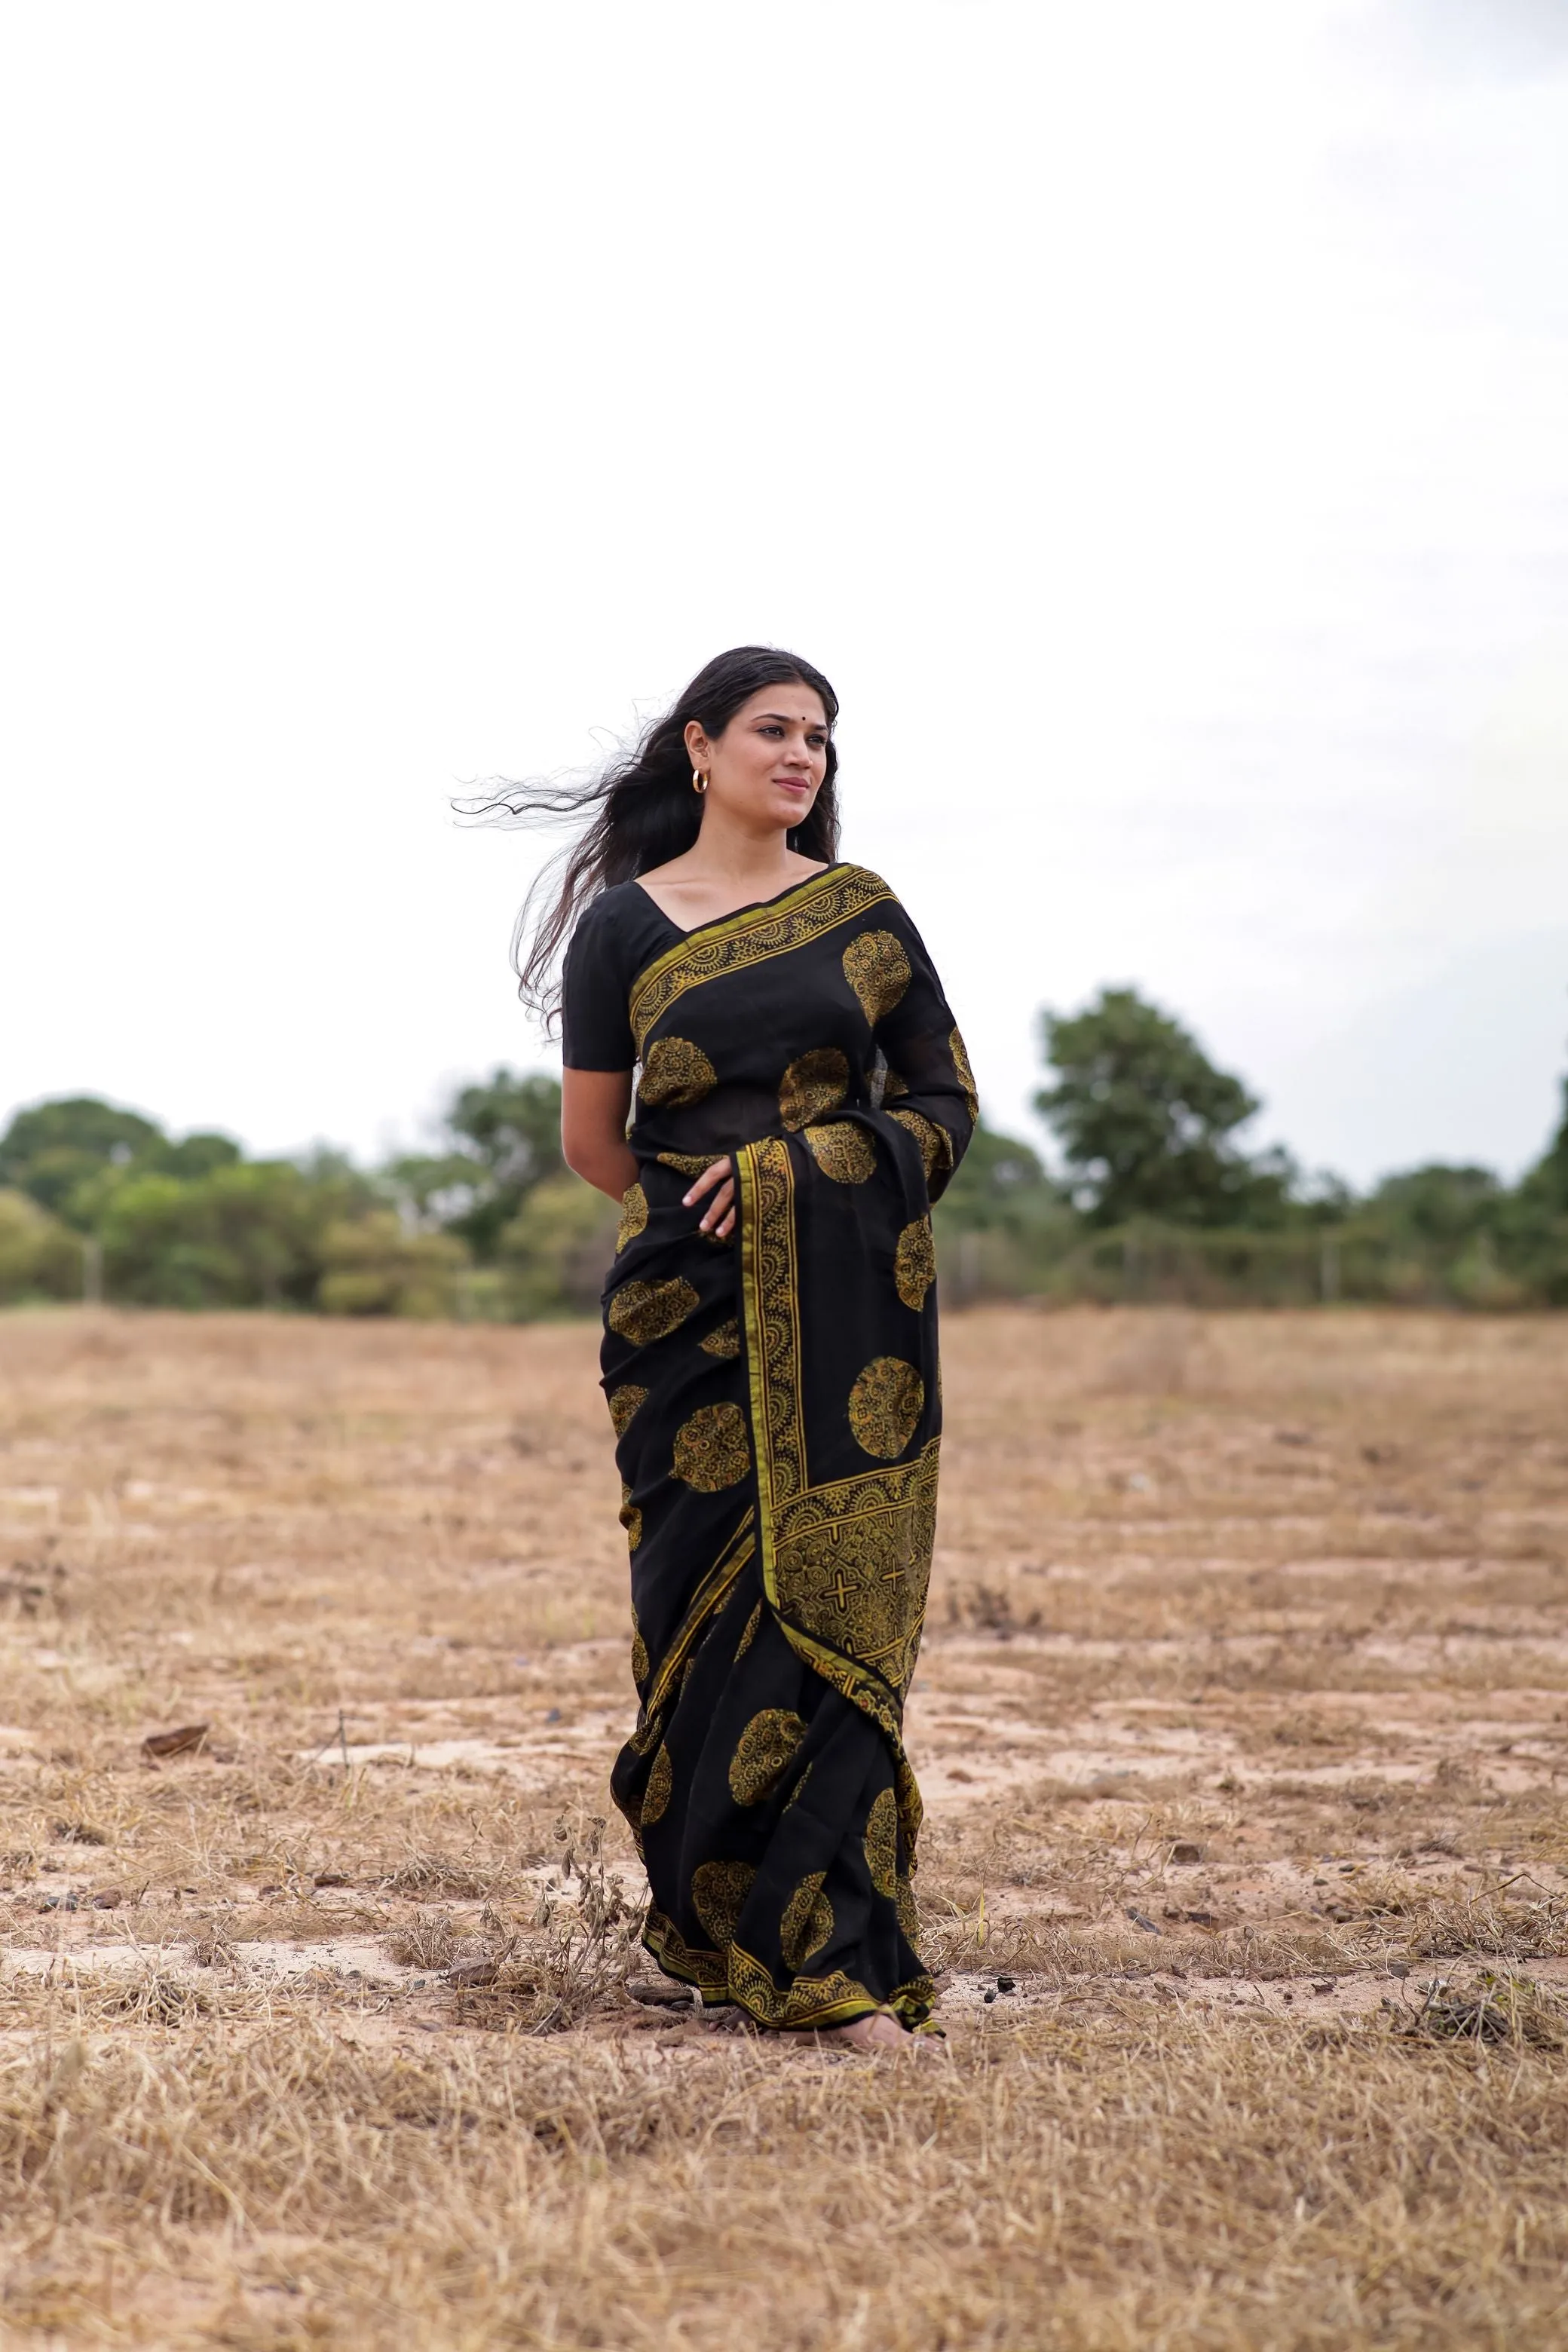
<point x="1239" y="1722"/>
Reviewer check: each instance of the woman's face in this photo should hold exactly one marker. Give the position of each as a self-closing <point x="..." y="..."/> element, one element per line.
<point x="768" y="765"/>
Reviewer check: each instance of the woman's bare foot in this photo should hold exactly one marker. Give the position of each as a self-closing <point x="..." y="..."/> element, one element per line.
<point x="877" y="2031"/>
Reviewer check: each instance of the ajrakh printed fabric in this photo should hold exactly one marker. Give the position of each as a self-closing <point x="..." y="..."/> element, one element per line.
<point x="776" y="1410"/>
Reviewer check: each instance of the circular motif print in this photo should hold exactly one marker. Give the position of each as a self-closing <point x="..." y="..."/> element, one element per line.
<point x="634" y="1216"/>
<point x="885" y="1406"/>
<point x="645" y="1311"/>
<point x="814" y="1085"/>
<point x="965" y="1075"/>
<point x="808" y="1921"/>
<point x="660" y="1782"/>
<point x="623" y="1402"/>
<point x="882" y="1844"/>
<point x="914" y="1264"/>
<point x="763" y="1754"/>
<point x="877" y="970"/>
<point x="719" y="1891"/>
<point x="842" y="1150"/>
<point x="714" y="1449"/>
<point x="675" y="1074"/>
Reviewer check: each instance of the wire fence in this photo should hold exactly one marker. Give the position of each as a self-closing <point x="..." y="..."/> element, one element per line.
<point x="1358" y="1262"/>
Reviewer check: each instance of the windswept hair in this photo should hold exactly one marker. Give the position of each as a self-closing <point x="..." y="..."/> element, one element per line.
<point x="640" y="812"/>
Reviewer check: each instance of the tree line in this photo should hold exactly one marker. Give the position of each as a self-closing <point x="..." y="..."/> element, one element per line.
<point x="1154" y="1197"/>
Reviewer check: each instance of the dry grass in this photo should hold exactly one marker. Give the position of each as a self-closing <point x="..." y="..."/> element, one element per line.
<point x="1240" y="1723"/>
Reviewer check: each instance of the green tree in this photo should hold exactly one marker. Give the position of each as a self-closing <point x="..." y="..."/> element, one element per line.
<point x="1547" y="1181"/>
<point x="51" y="1152"/>
<point x="195" y="1155"/>
<point x="504" y="1138"/>
<point x="997" y="1179"/>
<point x="1440" y="1207"/>
<point x="247" y="1234"/>
<point x="555" y="1251"/>
<point x="1533" y="1222"/>
<point x="373" y="1265"/>
<point x="1147" y="1124"/>
<point x="39" y="1256"/>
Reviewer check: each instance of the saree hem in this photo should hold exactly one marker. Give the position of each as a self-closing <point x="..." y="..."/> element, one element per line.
<point x="732" y="1978"/>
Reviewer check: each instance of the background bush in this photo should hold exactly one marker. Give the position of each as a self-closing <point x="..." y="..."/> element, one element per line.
<point x="1156" y="1198"/>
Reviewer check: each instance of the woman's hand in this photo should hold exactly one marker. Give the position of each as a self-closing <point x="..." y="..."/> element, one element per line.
<point x="718" y="1219"/>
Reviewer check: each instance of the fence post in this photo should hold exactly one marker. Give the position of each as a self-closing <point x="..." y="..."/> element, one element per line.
<point x="1328" y="1268"/>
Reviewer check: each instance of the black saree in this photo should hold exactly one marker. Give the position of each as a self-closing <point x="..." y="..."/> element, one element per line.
<point x="777" y="1412"/>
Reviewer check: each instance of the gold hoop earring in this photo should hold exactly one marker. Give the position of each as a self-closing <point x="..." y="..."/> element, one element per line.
<point x="699" y="783"/>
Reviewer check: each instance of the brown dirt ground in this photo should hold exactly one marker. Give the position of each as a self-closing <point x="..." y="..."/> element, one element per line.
<point x="1239" y="1721"/>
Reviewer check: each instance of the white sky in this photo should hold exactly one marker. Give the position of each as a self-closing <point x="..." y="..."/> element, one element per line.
<point x="1154" y="420"/>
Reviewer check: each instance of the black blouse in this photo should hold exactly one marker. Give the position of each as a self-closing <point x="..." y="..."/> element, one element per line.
<point x="618" y="935"/>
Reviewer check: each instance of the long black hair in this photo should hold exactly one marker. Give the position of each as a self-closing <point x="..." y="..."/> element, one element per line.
<point x="641" y="811"/>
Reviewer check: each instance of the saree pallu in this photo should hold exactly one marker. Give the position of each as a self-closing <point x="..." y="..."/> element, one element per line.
<point x="777" y="1410"/>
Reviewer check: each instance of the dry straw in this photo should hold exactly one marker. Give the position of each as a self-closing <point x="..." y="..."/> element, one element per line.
<point x="1241" y="1721"/>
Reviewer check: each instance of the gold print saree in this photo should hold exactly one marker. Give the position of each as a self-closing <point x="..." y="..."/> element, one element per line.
<point x="777" y="1411"/>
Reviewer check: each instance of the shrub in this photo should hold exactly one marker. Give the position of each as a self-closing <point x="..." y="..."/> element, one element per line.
<point x="374" y="1267"/>
<point x="556" y="1250"/>
<point x="39" y="1257"/>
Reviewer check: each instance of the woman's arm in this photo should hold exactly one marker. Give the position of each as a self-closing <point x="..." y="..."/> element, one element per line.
<point x="593" y="1107"/>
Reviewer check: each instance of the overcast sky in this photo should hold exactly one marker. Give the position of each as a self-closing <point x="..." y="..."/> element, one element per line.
<point x="1154" y="420"/>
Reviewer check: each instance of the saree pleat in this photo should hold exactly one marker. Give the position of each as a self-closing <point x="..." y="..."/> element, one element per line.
<point x="777" y="1411"/>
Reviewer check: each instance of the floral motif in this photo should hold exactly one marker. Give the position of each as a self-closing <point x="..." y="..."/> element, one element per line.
<point x="877" y="970"/>
<point x="725" y="1341"/>
<point x="814" y="1085"/>
<point x="763" y="1754"/>
<point x="914" y="1264"/>
<point x="719" y="1891"/>
<point x="881" y="1842"/>
<point x="884" y="1406"/>
<point x="689" y="1163"/>
<point x="808" y="1921"/>
<point x="675" y="1075"/>
<point x="842" y="1150"/>
<point x="639" y="1653"/>
<point x="623" y="1402"/>
<point x="714" y="1449"/>
<point x="645" y="1311"/>
<point x="634" y="1216"/>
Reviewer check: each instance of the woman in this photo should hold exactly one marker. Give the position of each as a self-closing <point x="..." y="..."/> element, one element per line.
<point x="770" y="1351"/>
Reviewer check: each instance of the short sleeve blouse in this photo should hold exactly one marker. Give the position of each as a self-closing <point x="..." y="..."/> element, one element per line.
<point x="618" y="935"/>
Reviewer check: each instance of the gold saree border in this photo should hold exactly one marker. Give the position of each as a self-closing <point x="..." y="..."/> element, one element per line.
<point x="807" y="2004"/>
<point x="754" y="935"/>
<point x="706" y="1601"/>
<point x="789" y="1508"/>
